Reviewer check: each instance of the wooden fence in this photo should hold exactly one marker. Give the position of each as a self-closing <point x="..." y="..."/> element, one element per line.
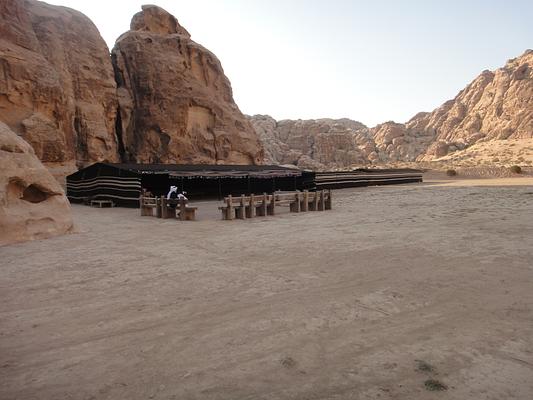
<point x="242" y="207"/>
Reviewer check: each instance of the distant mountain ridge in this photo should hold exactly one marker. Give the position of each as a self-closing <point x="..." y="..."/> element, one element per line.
<point x="496" y="105"/>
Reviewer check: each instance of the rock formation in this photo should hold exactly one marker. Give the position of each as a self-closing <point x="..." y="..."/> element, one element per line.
<point x="315" y="144"/>
<point x="495" y="106"/>
<point x="57" y="88"/>
<point x="32" y="204"/>
<point x="176" y="104"/>
<point x="161" y="97"/>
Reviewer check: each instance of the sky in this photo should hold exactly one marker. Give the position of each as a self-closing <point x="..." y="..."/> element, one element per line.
<point x="368" y="60"/>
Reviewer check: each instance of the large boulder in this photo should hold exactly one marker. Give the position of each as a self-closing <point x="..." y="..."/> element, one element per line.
<point x="32" y="203"/>
<point x="176" y="104"/>
<point x="57" y="88"/>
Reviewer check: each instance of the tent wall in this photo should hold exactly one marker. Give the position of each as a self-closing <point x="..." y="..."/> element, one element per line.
<point x="364" y="177"/>
<point x="122" y="183"/>
<point x="223" y="186"/>
<point x="102" y="182"/>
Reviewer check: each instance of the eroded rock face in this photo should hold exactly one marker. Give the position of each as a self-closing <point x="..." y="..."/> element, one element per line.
<point x="316" y="144"/>
<point x="32" y="204"/>
<point x="176" y="103"/>
<point x="495" y="106"/>
<point x="57" y="88"/>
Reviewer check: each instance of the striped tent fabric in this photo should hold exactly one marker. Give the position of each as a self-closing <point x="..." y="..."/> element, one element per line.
<point x="123" y="183"/>
<point x="117" y="188"/>
<point x="365" y="177"/>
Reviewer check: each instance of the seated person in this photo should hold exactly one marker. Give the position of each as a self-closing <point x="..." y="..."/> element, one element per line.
<point x="172" y="195"/>
<point x="181" y="196"/>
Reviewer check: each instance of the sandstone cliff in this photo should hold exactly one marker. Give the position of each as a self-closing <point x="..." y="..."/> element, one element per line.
<point x="176" y="104"/>
<point x="57" y="88"/>
<point x="495" y="106"/>
<point x="58" y="91"/>
<point x="32" y="204"/>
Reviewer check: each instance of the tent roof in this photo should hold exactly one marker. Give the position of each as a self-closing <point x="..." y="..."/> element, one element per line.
<point x="205" y="171"/>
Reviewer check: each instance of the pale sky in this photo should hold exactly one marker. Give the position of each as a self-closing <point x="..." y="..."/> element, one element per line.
<point x="368" y="60"/>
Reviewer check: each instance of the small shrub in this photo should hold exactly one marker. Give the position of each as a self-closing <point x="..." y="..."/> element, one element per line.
<point x="515" y="169"/>
<point x="434" y="385"/>
<point x="451" y="172"/>
<point x="424" y="366"/>
<point x="288" y="362"/>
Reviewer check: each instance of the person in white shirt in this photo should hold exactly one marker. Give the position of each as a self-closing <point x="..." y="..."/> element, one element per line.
<point x="172" y="193"/>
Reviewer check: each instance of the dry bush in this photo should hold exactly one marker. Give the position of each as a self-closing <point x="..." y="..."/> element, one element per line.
<point x="515" y="169"/>
<point x="451" y="172"/>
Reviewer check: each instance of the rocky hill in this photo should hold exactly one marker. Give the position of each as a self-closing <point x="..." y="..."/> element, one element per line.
<point x="495" y="106"/>
<point x="57" y="88"/>
<point x="161" y="97"/>
<point x="164" y="98"/>
<point x="176" y="104"/>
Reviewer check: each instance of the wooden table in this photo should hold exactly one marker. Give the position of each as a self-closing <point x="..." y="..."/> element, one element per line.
<point x="102" y="203"/>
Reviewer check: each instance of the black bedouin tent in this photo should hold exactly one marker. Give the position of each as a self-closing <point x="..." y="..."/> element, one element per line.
<point x="122" y="183"/>
<point x="366" y="177"/>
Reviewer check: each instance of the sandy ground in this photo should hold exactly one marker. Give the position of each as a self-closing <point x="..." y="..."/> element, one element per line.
<point x="395" y="286"/>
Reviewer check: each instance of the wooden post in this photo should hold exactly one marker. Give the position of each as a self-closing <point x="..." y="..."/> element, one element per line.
<point x="321" y="202"/>
<point x="272" y="206"/>
<point x="295" y="207"/>
<point x="305" y="202"/>
<point x="141" y="202"/>
<point x="158" y="207"/>
<point x="163" y="207"/>
<point x="262" y="210"/>
<point x="315" y="202"/>
<point x="242" y="208"/>
<point x="230" y="207"/>
<point x="183" y="211"/>
<point x="328" y="201"/>
<point x="250" y="210"/>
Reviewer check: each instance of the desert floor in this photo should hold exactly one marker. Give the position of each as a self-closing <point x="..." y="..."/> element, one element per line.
<point x="393" y="287"/>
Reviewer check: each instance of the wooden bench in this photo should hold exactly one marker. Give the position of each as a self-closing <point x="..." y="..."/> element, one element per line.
<point x="161" y="207"/>
<point x="174" y="208"/>
<point x="102" y="203"/>
<point x="150" y="206"/>
<point x="262" y="205"/>
<point x="186" y="212"/>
